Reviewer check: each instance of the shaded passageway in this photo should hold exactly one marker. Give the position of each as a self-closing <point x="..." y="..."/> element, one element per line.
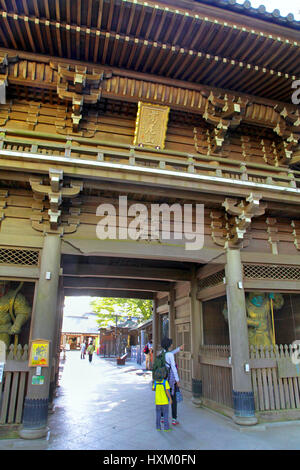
<point x="105" y="406"/>
<point x="101" y="406"/>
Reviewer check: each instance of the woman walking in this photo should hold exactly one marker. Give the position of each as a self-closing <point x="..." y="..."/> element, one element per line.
<point x="173" y="377"/>
<point x="90" y="351"/>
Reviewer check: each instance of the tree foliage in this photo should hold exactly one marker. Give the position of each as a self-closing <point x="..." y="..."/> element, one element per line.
<point x="109" y="309"/>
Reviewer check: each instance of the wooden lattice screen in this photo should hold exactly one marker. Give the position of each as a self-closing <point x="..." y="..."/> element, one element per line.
<point x="18" y="256"/>
<point x="212" y="280"/>
<point x="271" y="271"/>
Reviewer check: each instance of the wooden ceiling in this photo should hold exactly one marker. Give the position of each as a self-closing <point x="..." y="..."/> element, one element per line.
<point x="179" y="40"/>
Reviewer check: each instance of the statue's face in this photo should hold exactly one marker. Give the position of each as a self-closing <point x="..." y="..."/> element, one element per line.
<point x="257" y="300"/>
<point x="3" y="286"/>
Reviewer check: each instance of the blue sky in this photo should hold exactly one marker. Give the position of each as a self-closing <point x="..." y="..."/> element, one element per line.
<point x="77" y="305"/>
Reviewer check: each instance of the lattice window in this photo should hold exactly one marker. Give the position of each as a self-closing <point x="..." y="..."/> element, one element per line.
<point x="16" y="256"/>
<point x="271" y="271"/>
<point x="212" y="280"/>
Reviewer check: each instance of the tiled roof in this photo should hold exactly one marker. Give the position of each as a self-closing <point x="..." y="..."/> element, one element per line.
<point x="85" y="324"/>
<point x="261" y="12"/>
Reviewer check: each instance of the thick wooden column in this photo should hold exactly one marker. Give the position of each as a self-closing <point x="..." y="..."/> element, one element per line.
<point x="155" y="324"/>
<point x="243" y="397"/>
<point x="172" y="332"/>
<point x="196" y="340"/>
<point x="56" y="345"/>
<point x="44" y="324"/>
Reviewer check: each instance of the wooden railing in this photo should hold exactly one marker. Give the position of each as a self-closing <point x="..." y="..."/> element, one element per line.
<point x="275" y="376"/>
<point x="13" y="386"/>
<point x="216" y="374"/>
<point x="86" y="151"/>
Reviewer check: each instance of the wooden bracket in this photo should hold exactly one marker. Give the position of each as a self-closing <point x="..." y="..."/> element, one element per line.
<point x="3" y="204"/>
<point x="296" y="233"/>
<point x="223" y="113"/>
<point x="288" y="128"/>
<point x="55" y="192"/>
<point x="79" y="86"/>
<point x="272" y="230"/>
<point x="229" y="228"/>
<point x="33" y="113"/>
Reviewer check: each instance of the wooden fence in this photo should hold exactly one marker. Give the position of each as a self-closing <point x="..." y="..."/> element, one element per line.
<point x="216" y="374"/>
<point x="275" y="376"/>
<point x="13" y="386"/>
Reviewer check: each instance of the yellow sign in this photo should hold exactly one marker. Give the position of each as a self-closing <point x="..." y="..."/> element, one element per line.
<point x="39" y="353"/>
<point x="151" y="125"/>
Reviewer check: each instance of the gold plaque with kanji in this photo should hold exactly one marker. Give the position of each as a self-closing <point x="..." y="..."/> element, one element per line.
<point x="151" y="125"/>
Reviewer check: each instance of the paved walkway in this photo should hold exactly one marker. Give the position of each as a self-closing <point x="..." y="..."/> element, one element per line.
<point x="102" y="406"/>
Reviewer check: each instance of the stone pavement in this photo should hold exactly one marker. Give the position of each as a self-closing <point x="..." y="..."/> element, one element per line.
<point x="102" y="406"/>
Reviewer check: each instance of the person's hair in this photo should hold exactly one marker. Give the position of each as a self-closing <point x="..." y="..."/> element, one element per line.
<point x="166" y="343"/>
<point x="159" y="376"/>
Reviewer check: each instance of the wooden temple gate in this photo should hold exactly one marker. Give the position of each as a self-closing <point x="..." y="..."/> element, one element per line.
<point x="110" y="100"/>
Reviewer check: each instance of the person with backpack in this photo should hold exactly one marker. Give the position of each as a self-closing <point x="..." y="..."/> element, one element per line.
<point x="162" y="399"/>
<point x="172" y="374"/>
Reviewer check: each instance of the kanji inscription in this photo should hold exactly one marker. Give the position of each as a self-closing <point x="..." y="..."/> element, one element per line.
<point x="151" y="125"/>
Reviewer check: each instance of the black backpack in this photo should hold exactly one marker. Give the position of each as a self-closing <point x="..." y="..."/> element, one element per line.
<point x="159" y="368"/>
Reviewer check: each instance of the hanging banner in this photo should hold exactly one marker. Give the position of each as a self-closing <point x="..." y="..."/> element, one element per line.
<point x="39" y="353"/>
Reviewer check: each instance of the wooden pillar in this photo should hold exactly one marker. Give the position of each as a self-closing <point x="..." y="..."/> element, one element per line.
<point x="44" y="324"/>
<point x="171" y="315"/>
<point x="56" y="345"/>
<point x="243" y="397"/>
<point x="155" y="319"/>
<point x="196" y="340"/>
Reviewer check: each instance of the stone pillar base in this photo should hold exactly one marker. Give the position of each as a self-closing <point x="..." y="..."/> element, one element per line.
<point x="31" y="433"/>
<point x="244" y="420"/>
<point x="197" y="392"/>
<point x="244" y="409"/>
<point x="35" y="418"/>
<point x="197" y="401"/>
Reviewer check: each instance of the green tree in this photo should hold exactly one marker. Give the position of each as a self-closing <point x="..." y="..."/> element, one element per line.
<point x="113" y="309"/>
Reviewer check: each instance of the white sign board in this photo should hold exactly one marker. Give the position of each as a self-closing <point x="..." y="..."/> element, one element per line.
<point x="2" y="351"/>
<point x="1" y="370"/>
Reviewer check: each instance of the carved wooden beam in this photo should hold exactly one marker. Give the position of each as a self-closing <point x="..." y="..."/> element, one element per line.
<point x="3" y="204"/>
<point x="218" y="227"/>
<point x="55" y="192"/>
<point x="288" y="127"/>
<point x="272" y="230"/>
<point x="229" y="228"/>
<point x="4" y="61"/>
<point x="79" y="86"/>
<point x="223" y="112"/>
<point x="77" y="78"/>
<point x="296" y="233"/>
